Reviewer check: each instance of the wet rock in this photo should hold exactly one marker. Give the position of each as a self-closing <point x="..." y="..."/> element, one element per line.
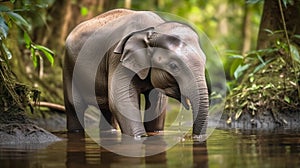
<point x="25" y="134"/>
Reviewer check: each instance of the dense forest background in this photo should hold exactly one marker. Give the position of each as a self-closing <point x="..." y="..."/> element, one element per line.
<point x="257" y="41"/>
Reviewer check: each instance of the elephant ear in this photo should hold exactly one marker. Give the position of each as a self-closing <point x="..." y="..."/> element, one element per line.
<point x="136" y="52"/>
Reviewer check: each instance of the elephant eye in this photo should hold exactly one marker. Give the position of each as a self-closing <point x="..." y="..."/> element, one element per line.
<point x="173" y="67"/>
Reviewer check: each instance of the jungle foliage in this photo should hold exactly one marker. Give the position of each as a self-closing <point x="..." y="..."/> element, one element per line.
<point x="267" y="79"/>
<point x="15" y="96"/>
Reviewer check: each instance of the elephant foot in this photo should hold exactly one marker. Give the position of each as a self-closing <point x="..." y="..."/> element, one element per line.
<point x="199" y="138"/>
<point x="139" y="137"/>
<point x="152" y="133"/>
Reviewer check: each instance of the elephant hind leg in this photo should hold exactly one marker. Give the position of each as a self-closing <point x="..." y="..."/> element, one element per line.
<point x="155" y="110"/>
<point x="75" y="122"/>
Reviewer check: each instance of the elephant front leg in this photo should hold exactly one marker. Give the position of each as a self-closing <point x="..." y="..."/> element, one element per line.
<point x="107" y="121"/>
<point x="124" y="103"/>
<point x="155" y="110"/>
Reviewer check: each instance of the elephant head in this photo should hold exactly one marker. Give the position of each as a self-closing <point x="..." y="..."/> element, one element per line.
<point x="171" y="55"/>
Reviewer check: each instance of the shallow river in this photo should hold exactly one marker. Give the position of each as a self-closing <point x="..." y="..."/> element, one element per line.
<point x="224" y="148"/>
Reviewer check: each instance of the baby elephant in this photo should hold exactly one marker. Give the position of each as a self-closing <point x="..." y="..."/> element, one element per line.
<point x="115" y="57"/>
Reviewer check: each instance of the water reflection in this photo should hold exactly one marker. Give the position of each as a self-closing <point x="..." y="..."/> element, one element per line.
<point x="233" y="148"/>
<point x="83" y="152"/>
<point x="256" y="148"/>
<point x="76" y="150"/>
<point x="135" y="146"/>
<point x="200" y="155"/>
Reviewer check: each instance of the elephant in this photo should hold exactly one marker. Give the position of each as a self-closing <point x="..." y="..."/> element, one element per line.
<point x="115" y="57"/>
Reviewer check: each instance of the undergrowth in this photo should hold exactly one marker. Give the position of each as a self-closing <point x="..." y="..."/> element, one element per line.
<point x="14" y="98"/>
<point x="270" y="83"/>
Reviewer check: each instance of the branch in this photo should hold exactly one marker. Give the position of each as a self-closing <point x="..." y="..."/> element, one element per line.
<point x="52" y="106"/>
<point x="289" y="46"/>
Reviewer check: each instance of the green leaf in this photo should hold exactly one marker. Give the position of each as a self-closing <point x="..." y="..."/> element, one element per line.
<point x="261" y="60"/>
<point x="236" y="56"/>
<point x="19" y="20"/>
<point x="3" y="28"/>
<point x="269" y="31"/>
<point x="4" y="8"/>
<point x="12" y="1"/>
<point x="234" y="65"/>
<point x="251" y="79"/>
<point x="296" y="36"/>
<point x="34" y="58"/>
<point x="295" y="53"/>
<point x="238" y="114"/>
<point x="252" y="106"/>
<point x="49" y="57"/>
<point x="47" y="52"/>
<point x="228" y="121"/>
<point x="272" y="32"/>
<point x="240" y="69"/>
<point x="84" y="11"/>
<point x="287" y="99"/>
<point x="40" y="47"/>
<point x="27" y="40"/>
<point x="270" y="85"/>
<point x="253" y="1"/>
<point x="286" y="2"/>
<point x="7" y="54"/>
<point x="255" y="87"/>
<point x="234" y="60"/>
<point x="263" y="64"/>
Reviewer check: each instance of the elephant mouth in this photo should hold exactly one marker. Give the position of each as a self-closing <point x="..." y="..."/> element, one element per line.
<point x="178" y="96"/>
<point x="168" y="85"/>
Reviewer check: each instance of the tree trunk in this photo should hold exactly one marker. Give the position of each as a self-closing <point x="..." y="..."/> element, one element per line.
<point x="128" y="4"/>
<point x="223" y="23"/>
<point x="272" y="20"/>
<point x="246" y="30"/>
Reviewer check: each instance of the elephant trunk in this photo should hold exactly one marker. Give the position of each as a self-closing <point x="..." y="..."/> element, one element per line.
<point x="198" y="95"/>
<point x="200" y="106"/>
<point x="193" y="87"/>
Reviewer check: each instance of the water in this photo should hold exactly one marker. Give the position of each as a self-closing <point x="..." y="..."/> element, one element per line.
<point x="224" y="148"/>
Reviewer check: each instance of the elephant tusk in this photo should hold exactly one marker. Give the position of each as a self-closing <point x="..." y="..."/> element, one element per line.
<point x="185" y="102"/>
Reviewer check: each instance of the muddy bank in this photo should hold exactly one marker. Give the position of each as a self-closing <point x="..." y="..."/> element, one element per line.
<point x="38" y="131"/>
<point x="56" y="122"/>
<point x="266" y="120"/>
